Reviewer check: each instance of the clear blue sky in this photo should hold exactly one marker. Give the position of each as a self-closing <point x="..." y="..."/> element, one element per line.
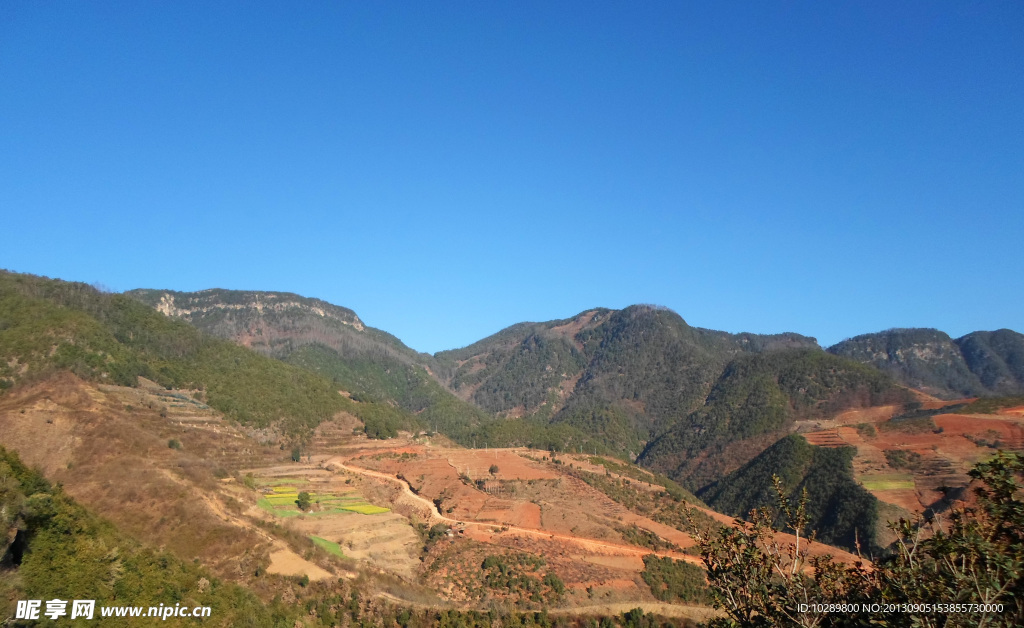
<point x="447" y="170"/>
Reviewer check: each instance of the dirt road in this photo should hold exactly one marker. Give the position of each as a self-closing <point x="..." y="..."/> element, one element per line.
<point x="590" y="545"/>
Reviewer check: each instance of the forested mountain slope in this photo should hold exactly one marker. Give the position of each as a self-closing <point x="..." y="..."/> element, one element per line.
<point x="369" y="364"/>
<point x="48" y="325"/>
<point x="392" y="385"/>
<point x="840" y="510"/>
<point x="997" y="358"/>
<point x="624" y="375"/>
<point x="755" y="401"/>
<point x="979" y="364"/>
<point x="693" y="403"/>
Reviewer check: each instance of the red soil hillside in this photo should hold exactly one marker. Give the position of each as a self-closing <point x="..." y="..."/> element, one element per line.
<point x="915" y="463"/>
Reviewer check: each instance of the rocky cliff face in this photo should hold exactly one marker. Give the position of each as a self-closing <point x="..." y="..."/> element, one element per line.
<point x="276" y="323"/>
<point x="198" y="305"/>
<point x="330" y="340"/>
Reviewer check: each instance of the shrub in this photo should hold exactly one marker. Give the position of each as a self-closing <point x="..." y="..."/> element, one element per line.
<point x="902" y="459"/>
<point x="867" y="430"/>
<point x="974" y="558"/>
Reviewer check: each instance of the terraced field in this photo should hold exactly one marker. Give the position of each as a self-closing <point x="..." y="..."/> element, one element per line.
<point x="372" y="503"/>
<point x="943" y="446"/>
<point x="281" y="499"/>
<point x="888" y="481"/>
<point x="341" y="519"/>
<point x="330" y="546"/>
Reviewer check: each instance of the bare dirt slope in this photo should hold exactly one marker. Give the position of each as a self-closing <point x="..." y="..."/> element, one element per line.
<point x="158" y="466"/>
<point x="173" y="473"/>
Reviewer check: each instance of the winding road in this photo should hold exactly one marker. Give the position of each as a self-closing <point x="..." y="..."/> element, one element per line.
<point x="593" y="545"/>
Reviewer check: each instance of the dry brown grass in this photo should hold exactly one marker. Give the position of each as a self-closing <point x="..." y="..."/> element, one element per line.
<point x="109" y="447"/>
<point x="114" y="457"/>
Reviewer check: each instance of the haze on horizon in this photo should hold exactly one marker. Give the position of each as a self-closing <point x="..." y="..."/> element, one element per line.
<point x="446" y="170"/>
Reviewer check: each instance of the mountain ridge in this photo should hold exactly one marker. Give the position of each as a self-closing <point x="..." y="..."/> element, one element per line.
<point x="980" y="363"/>
<point x="695" y="404"/>
<point x="626" y="377"/>
<point x="219" y="312"/>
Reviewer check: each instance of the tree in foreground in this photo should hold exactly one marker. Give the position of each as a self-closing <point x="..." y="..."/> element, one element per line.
<point x="966" y="569"/>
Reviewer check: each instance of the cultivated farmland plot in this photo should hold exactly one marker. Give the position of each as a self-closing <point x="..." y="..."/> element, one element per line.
<point x="282" y="495"/>
<point x="340" y="519"/>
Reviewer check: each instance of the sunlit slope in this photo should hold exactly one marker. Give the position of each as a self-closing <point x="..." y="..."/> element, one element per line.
<point x="48" y="325"/>
<point x="369" y="364"/>
<point x="864" y="467"/>
<point x="60" y="550"/>
<point x="917" y="456"/>
<point x="575" y="530"/>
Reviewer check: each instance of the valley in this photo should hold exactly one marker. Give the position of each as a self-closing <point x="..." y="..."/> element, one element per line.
<point x="373" y="499"/>
<point x="233" y="499"/>
<point x="286" y="448"/>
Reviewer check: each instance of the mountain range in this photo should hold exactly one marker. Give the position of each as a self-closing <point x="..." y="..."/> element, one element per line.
<point x="710" y="416"/>
<point x="700" y="406"/>
<point x="638" y="382"/>
<point x="627" y="378"/>
<point x="981" y="363"/>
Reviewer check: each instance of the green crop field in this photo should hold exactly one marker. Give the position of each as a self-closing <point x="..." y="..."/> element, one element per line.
<point x="279" y="509"/>
<point x="278" y="481"/>
<point x="330" y="546"/>
<point x="282" y="494"/>
<point x="887" y="481"/>
<point x="281" y="502"/>
<point x="366" y="509"/>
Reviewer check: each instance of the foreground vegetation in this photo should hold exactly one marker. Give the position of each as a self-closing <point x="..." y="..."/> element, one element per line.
<point x="61" y="551"/>
<point x="843" y="512"/>
<point x="965" y="570"/>
<point x="57" y="549"/>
